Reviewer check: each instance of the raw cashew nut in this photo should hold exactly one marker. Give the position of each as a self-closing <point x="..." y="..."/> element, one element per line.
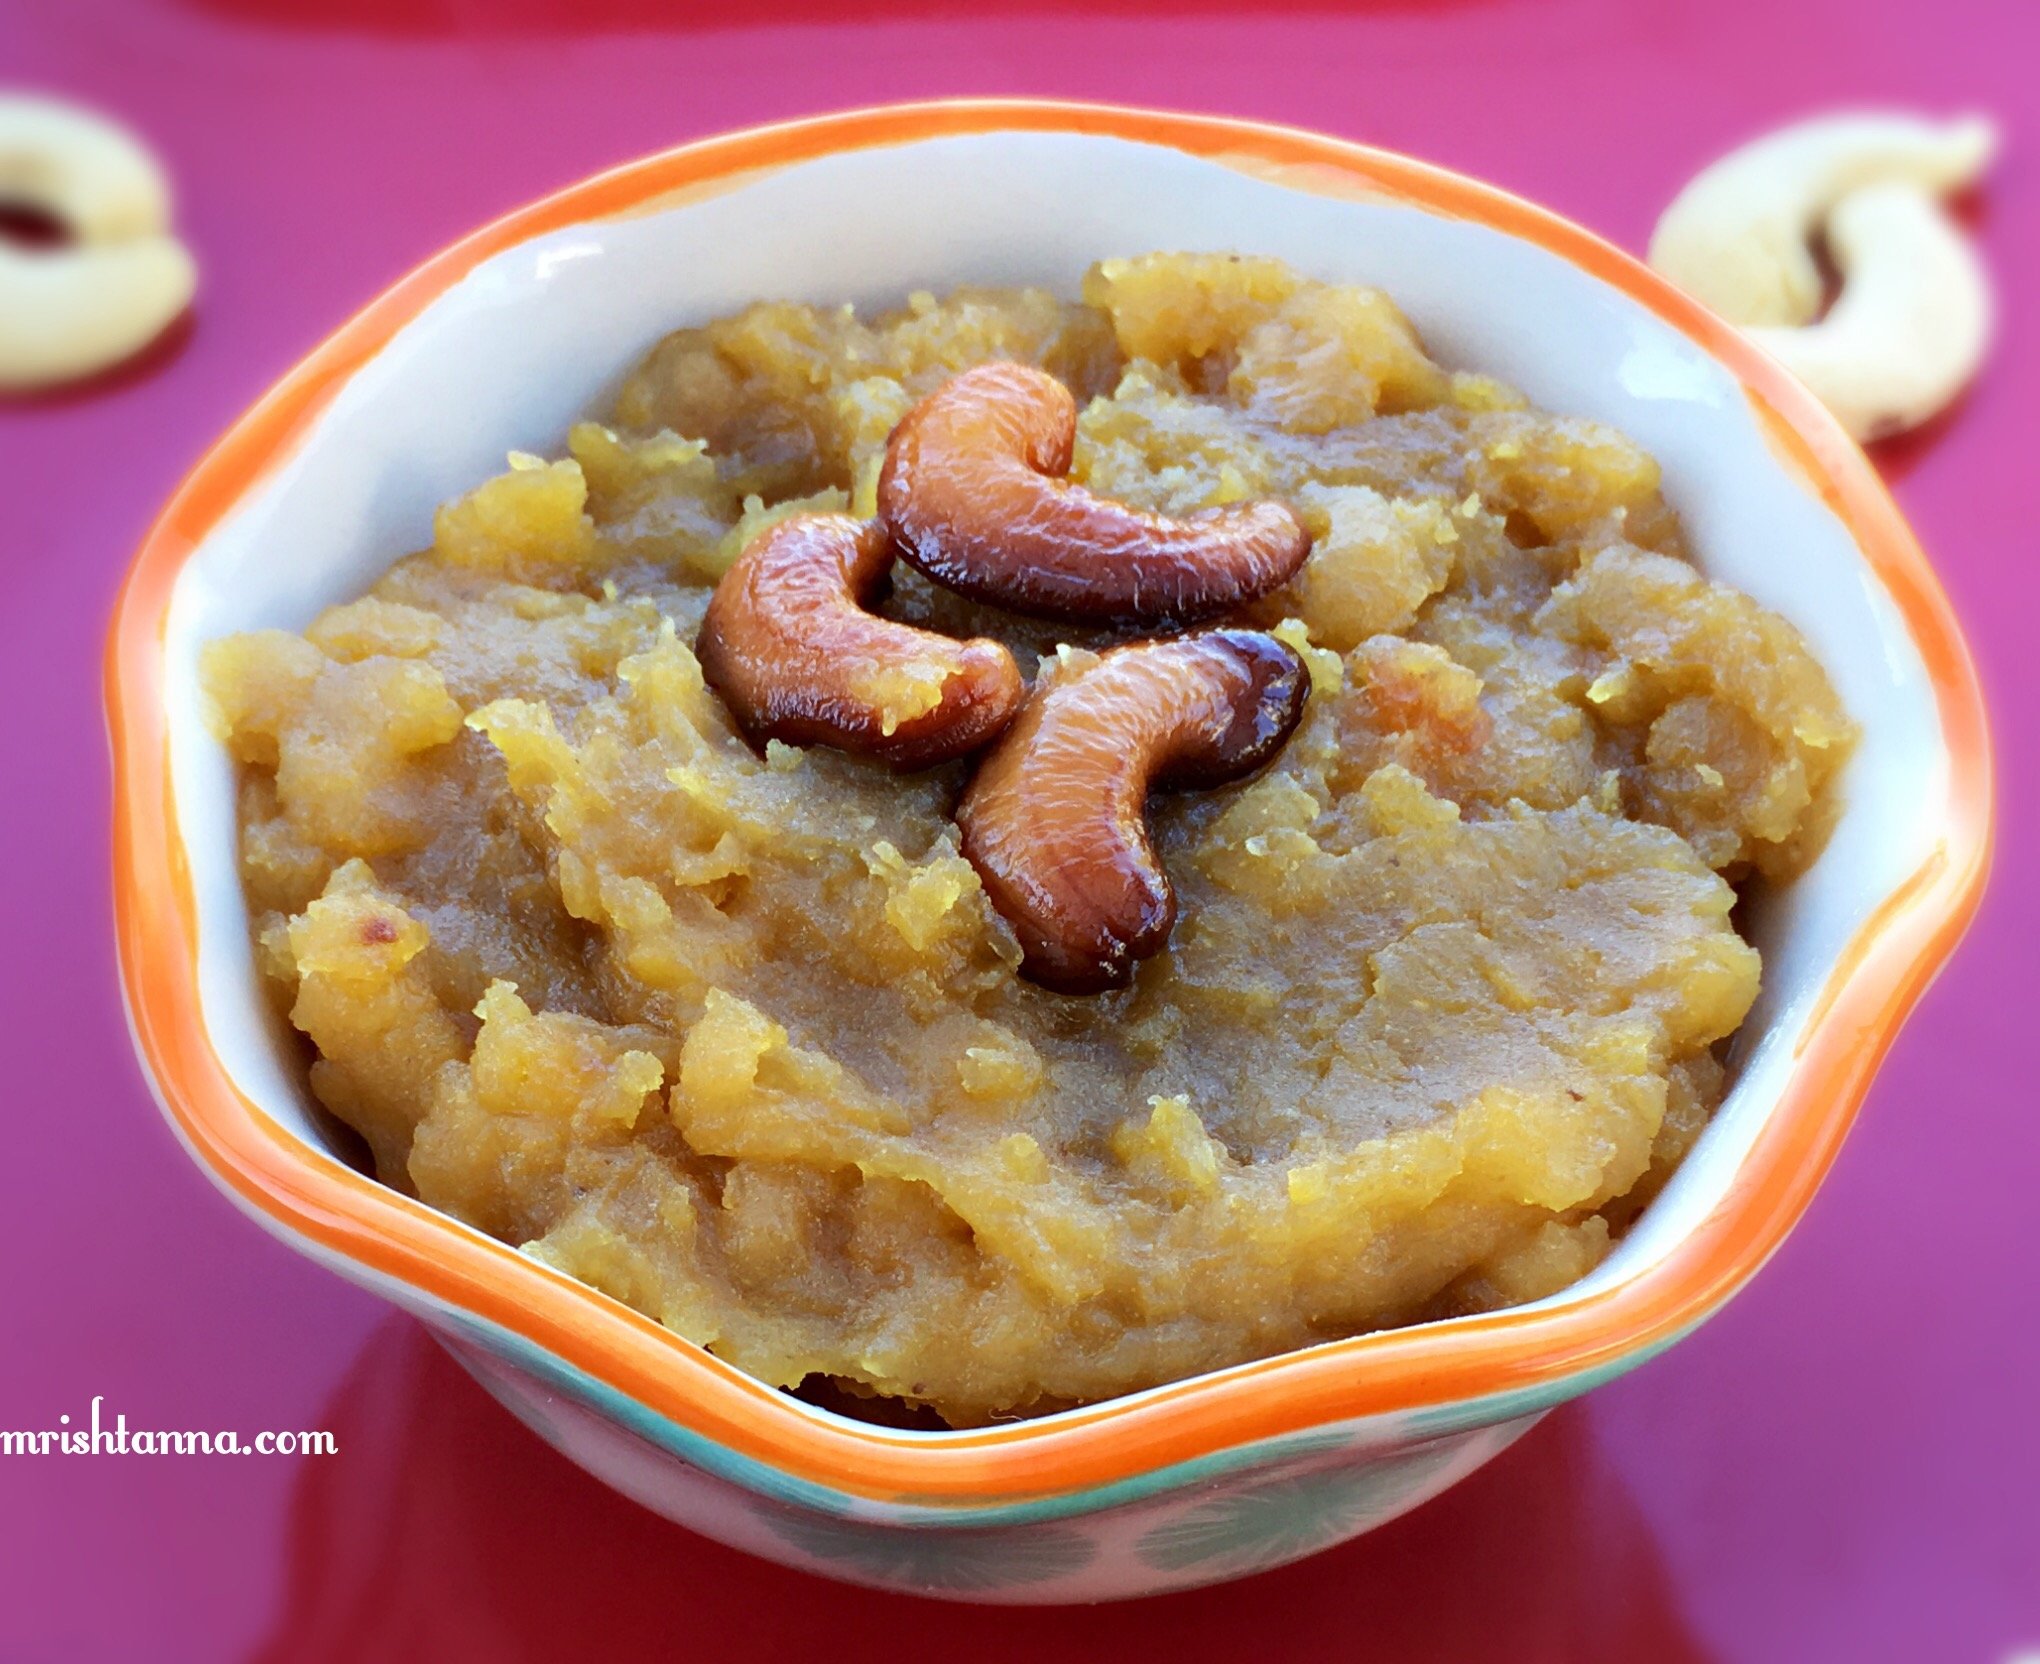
<point x="788" y="644"/>
<point x="1912" y="322"/>
<point x="973" y="495"/>
<point x="1737" y="236"/>
<point x="1056" y="819"/>
<point x="70" y="312"/>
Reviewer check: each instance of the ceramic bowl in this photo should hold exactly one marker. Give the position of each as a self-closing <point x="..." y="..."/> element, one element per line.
<point x="509" y="335"/>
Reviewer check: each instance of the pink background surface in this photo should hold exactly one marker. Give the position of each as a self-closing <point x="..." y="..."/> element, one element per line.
<point x="1845" y="1464"/>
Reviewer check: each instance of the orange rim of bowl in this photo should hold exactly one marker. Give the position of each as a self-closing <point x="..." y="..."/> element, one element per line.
<point x="317" y="1199"/>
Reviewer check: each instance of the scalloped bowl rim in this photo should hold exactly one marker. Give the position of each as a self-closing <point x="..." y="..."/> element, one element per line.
<point x="170" y="940"/>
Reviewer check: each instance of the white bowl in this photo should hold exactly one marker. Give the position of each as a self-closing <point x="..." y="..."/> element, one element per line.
<point x="511" y="335"/>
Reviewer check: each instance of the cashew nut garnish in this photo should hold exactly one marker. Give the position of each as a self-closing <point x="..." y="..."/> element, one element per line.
<point x="1056" y="819"/>
<point x="788" y="644"/>
<point x="69" y="312"/>
<point x="1911" y="324"/>
<point x="1737" y="237"/>
<point x="973" y="495"/>
<point x="1913" y="319"/>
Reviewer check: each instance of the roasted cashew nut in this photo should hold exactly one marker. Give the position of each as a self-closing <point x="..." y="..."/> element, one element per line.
<point x="1911" y="325"/>
<point x="1056" y="819"/>
<point x="1737" y="237"/>
<point x="788" y="644"/>
<point x="973" y="495"/>
<point x="70" y="312"/>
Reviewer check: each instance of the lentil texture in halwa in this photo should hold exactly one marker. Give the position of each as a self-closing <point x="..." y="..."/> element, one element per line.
<point x="735" y="1036"/>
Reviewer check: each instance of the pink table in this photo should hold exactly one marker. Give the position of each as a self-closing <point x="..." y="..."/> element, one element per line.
<point x="1845" y="1464"/>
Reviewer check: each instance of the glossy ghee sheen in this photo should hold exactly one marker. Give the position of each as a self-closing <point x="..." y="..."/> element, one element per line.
<point x="736" y="1036"/>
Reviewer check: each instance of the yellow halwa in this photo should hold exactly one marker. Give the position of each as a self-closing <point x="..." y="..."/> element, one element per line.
<point x="736" y="1038"/>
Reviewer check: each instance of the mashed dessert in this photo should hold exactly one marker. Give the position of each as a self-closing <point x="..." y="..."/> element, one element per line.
<point x="733" y="1031"/>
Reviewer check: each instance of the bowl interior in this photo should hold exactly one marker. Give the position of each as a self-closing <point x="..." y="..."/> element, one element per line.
<point x="538" y="335"/>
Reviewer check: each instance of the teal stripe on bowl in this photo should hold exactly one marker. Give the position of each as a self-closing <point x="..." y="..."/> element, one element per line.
<point x="769" y="1482"/>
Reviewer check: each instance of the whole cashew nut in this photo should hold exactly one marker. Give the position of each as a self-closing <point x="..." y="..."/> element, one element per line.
<point x="973" y="495"/>
<point x="788" y="644"/>
<point x="1912" y="322"/>
<point x="1737" y="236"/>
<point x="1056" y="819"/>
<point x="70" y="312"/>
